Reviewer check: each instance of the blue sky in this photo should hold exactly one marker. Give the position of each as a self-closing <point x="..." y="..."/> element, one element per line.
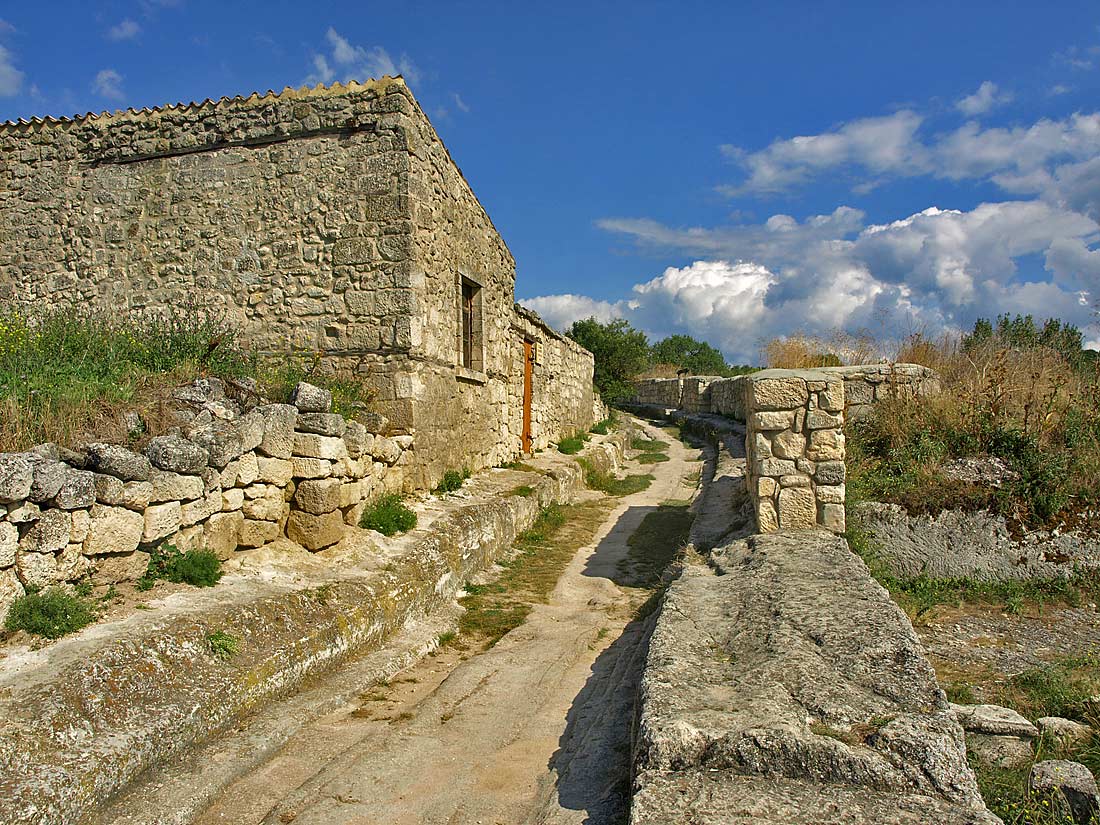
<point x="731" y="170"/>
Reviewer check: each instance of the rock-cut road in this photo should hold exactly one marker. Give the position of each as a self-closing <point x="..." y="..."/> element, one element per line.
<point x="536" y="729"/>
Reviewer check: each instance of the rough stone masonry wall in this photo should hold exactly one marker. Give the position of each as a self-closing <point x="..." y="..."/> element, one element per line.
<point x="286" y="211"/>
<point x="224" y="482"/>
<point x="794" y="445"/>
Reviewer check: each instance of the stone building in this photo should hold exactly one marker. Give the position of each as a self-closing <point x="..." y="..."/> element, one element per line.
<point x="327" y="220"/>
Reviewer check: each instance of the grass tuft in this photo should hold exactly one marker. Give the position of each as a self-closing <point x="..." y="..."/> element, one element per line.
<point x="51" y="613"/>
<point x="388" y="515"/>
<point x="453" y="480"/>
<point x="573" y="444"/>
<point x="597" y="479"/>
<point x="199" y="568"/>
<point x="223" y="645"/>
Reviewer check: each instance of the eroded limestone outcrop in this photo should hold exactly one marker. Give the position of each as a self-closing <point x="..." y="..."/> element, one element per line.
<point x="783" y="685"/>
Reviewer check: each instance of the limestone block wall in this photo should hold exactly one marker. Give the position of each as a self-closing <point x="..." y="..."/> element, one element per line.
<point x="696" y="395"/>
<point x="286" y="211"/>
<point x="727" y="397"/>
<point x="794" y="445"/>
<point x="225" y="482"/>
<point x="660" y="392"/>
<point x="868" y="383"/>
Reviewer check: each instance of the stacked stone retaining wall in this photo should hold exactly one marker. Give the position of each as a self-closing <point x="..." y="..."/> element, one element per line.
<point x="225" y="481"/>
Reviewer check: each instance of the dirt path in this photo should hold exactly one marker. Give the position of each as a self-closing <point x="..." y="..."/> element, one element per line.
<point x="534" y="730"/>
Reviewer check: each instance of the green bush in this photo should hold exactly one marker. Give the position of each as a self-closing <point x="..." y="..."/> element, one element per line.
<point x="388" y="515"/>
<point x="51" y="613"/>
<point x="602" y="427"/>
<point x="452" y="480"/>
<point x="200" y="568"/>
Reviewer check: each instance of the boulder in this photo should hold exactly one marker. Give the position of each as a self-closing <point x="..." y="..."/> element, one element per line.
<point x="177" y="454"/>
<point x="82" y="520"/>
<point x="37" y="569"/>
<point x="1000" y="751"/>
<point x="119" y="462"/>
<point x="200" y="509"/>
<point x="108" y="489"/>
<point x="994" y="720"/>
<point x="200" y="391"/>
<point x="48" y="476"/>
<point x="1065" y="729"/>
<point x="268" y="507"/>
<point x="247" y="469"/>
<point x="1070" y="780"/>
<point x="311" y="399"/>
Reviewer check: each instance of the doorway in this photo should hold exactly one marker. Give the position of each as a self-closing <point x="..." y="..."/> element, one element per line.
<point x="528" y="376"/>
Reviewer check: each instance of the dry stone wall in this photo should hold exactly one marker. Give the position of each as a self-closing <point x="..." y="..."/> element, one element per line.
<point x="795" y="449"/>
<point x="866" y="384"/>
<point x="228" y="480"/>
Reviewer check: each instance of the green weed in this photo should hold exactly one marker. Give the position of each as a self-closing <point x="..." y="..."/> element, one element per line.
<point x="452" y="480"/>
<point x="51" y="613"/>
<point x="223" y="645"/>
<point x="388" y="515"/>
<point x="573" y="444"/>
<point x="199" y="568"/>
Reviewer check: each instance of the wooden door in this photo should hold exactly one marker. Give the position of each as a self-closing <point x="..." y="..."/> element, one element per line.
<point x="528" y="374"/>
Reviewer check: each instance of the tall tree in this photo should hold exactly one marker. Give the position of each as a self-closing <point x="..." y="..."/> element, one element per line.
<point x="621" y="353"/>
<point x="697" y="357"/>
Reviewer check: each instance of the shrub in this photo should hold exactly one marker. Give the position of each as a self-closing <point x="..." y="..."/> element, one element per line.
<point x="199" y="568"/>
<point x="51" y="613"/>
<point x="601" y="427"/>
<point x="388" y="515"/>
<point x="452" y="480"/>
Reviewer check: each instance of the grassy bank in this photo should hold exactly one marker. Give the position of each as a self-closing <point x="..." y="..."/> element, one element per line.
<point x="68" y="376"/>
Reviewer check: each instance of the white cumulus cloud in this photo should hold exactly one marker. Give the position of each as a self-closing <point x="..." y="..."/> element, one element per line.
<point x="986" y="98"/>
<point x="346" y="62"/>
<point x="11" y="79"/>
<point x="124" y="30"/>
<point x="108" y="83"/>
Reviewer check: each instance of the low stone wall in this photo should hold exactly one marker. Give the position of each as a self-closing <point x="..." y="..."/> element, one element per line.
<point x="795" y="447"/>
<point x="158" y="688"/>
<point x="659" y="392"/>
<point x="866" y="384"/>
<point x="226" y="480"/>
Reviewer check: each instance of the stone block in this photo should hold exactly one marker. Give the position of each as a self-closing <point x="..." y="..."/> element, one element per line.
<point x="322" y="424"/>
<point x="9" y="540"/>
<point x="161" y="521"/>
<point x="72" y="564"/>
<point x="248" y="469"/>
<point x="831" y="399"/>
<point x="228" y="476"/>
<point x="821" y="420"/>
<point x="16" y="477"/>
<point x="351" y="493"/>
<point x="770" y="421"/>
<point x="858" y="392"/>
<point x="775" y="467"/>
<point x="318" y="496"/>
<point x="788" y="444"/>
<point x="765" y="487"/>
<point x="48" y="476"/>
<point x="355" y="437"/>
<point x="256" y="533"/>
<point x="222" y="533"/>
<point x="37" y="569"/>
<point x="26" y="512"/>
<point x="279" y="422"/>
<point x="268" y="507"/>
<point x="176" y="454"/>
<point x="232" y="499"/>
<point x="830" y="494"/>
<point x="10" y="589"/>
<point x="832" y="518"/>
<point x="308" y="445"/>
<point x="115" y="568"/>
<point x="766" y="518"/>
<point x="251" y="427"/>
<point x="276" y="471"/>
<point x="785" y="393"/>
<point x="826" y="445"/>
<point x="797" y="508"/>
<point x="830" y="472"/>
<point x="221" y="440"/>
<point x="311" y="399"/>
<point x="108" y="489"/>
<point x="49" y="534"/>
<point x="311" y="467"/>
<point x="195" y="511"/>
<point x="374" y="422"/>
<point x="1072" y="782"/>
<point x="761" y="445"/>
<point x="1000" y="751"/>
<point x="993" y="719"/>
<point x="349" y="251"/>
<point x="168" y="486"/>
<point x="315" y="532"/>
<point x="795" y="480"/>
<point x="81" y="521"/>
<point x="77" y="491"/>
<point x="136" y="495"/>
<point x="113" y="460"/>
<point x="386" y="450"/>
<point x="113" y="530"/>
